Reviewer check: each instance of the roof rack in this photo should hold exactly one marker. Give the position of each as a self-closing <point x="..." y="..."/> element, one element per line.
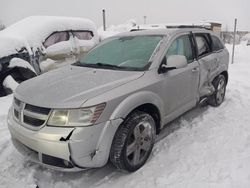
<point x="189" y="26"/>
<point x="174" y="27"/>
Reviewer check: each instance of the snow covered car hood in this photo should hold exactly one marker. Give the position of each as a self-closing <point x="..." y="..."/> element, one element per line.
<point x="71" y="86"/>
<point x="10" y="45"/>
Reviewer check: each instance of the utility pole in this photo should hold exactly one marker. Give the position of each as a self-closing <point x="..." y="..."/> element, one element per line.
<point x="104" y="19"/>
<point x="145" y="19"/>
<point x="235" y="25"/>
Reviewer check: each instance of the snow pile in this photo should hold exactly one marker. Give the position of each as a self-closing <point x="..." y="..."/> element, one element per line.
<point x="10" y="83"/>
<point x="206" y="147"/>
<point x="49" y="64"/>
<point x="17" y="62"/>
<point x="116" y="29"/>
<point x="246" y="37"/>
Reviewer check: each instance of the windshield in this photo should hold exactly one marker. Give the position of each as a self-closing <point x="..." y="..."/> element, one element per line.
<point x="131" y="53"/>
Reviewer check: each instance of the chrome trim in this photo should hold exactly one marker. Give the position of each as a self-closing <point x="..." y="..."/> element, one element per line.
<point x="22" y="106"/>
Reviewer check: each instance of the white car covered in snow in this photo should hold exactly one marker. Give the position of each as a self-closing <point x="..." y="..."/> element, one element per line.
<point x="27" y="43"/>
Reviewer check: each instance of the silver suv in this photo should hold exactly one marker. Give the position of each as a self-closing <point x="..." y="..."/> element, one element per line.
<point x="113" y="102"/>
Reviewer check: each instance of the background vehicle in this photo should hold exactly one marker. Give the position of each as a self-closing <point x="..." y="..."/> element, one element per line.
<point x="38" y="38"/>
<point x="113" y="102"/>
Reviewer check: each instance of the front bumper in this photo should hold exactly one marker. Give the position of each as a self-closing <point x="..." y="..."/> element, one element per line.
<point x="85" y="147"/>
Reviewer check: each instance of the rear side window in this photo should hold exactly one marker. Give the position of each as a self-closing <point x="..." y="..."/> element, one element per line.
<point x="83" y="35"/>
<point x="181" y="46"/>
<point x="203" y="44"/>
<point x="55" y="38"/>
<point x="216" y="43"/>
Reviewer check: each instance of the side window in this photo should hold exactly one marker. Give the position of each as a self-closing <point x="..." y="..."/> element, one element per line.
<point x="83" y="35"/>
<point x="203" y="44"/>
<point x="217" y="45"/>
<point x="181" y="46"/>
<point x="55" y="38"/>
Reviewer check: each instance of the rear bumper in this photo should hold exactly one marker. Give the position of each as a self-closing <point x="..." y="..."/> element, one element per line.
<point x="87" y="147"/>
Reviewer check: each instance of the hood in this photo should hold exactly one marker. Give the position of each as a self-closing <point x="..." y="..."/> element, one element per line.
<point x="71" y="86"/>
<point x="10" y="45"/>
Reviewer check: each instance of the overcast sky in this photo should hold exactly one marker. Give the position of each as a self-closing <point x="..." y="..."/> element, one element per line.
<point x="157" y="11"/>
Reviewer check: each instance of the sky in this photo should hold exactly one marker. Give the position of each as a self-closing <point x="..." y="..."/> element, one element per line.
<point x="156" y="11"/>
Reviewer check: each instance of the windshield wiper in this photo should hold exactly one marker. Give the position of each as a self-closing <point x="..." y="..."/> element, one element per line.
<point x="98" y="65"/>
<point x="104" y="66"/>
<point x="108" y="65"/>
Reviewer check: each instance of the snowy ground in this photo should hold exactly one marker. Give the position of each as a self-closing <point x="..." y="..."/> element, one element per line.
<point x="207" y="147"/>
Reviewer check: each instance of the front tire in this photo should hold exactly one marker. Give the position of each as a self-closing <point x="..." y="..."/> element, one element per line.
<point x="218" y="96"/>
<point x="133" y="142"/>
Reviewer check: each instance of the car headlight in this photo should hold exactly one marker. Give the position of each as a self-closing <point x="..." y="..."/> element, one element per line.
<point x="76" y="117"/>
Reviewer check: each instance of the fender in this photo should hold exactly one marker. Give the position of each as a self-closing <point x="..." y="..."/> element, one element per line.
<point x="135" y="100"/>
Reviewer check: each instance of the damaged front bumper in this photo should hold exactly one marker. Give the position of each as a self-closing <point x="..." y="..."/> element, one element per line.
<point x="66" y="149"/>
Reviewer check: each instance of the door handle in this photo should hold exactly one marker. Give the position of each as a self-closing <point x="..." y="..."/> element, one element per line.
<point x="195" y="70"/>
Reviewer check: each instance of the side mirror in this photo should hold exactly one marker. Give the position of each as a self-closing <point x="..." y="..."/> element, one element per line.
<point x="59" y="50"/>
<point x="174" y="62"/>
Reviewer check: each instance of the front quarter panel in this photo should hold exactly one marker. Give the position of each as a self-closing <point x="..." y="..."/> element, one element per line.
<point x="135" y="100"/>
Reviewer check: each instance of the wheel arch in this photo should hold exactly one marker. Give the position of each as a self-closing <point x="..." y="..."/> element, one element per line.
<point x="145" y="101"/>
<point x="152" y="110"/>
<point x="225" y="73"/>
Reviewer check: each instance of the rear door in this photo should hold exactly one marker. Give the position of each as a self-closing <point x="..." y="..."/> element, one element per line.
<point x="61" y="48"/>
<point x="58" y="45"/>
<point x="220" y="52"/>
<point x="208" y="62"/>
<point x="84" y="40"/>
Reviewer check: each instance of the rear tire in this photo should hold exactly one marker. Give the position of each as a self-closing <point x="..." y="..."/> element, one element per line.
<point x="133" y="142"/>
<point x="218" y="96"/>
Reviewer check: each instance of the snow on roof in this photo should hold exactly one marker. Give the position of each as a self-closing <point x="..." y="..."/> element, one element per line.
<point x="34" y="30"/>
<point x="37" y="28"/>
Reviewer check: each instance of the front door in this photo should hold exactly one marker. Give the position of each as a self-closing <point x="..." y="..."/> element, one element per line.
<point x="180" y="86"/>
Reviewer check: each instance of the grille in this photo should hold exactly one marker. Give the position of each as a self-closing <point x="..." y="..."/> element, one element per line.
<point x="36" y="109"/>
<point x="32" y="121"/>
<point x="30" y="116"/>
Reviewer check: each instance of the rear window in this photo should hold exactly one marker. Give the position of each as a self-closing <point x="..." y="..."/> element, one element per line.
<point x="216" y="43"/>
<point x="83" y="35"/>
<point x="56" y="37"/>
<point x="203" y="44"/>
